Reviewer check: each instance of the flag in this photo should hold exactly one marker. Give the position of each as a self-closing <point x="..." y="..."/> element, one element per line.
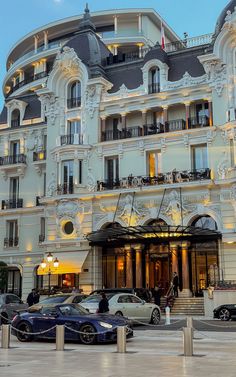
<point x="162" y="36"/>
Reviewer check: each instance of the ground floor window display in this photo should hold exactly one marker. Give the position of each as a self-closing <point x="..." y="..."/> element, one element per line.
<point x="63" y="282"/>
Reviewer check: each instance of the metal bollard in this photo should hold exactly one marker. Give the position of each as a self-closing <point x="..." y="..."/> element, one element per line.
<point x="167" y="310"/>
<point x="121" y="339"/>
<point x="190" y="324"/>
<point x="188" y="341"/>
<point x="5" y="343"/>
<point x="60" y="337"/>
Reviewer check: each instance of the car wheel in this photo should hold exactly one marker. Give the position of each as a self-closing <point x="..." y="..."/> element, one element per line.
<point x="88" y="336"/>
<point x="25" y="327"/>
<point x="4" y="319"/>
<point x="119" y="313"/>
<point x="224" y="314"/>
<point x="155" y="317"/>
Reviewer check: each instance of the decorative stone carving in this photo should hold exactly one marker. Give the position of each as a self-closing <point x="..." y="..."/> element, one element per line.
<point x="216" y="74"/>
<point x="93" y="96"/>
<point x="223" y="166"/>
<point x="31" y="141"/>
<point x="210" y="136"/>
<point x="130" y="214"/>
<point x="163" y="145"/>
<point x="67" y="209"/>
<point x="186" y="141"/>
<point x="174" y="210"/>
<point x="50" y="107"/>
<point x="52" y="185"/>
<point x="233" y="192"/>
<point x="91" y="182"/>
<point x="67" y="61"/>
<point x="186" y="81"/>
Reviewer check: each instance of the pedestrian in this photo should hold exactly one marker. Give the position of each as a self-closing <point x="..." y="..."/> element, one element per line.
<point x="30" y="298"/>
<point x="157" y="295"/>
<point x="103" y="306"/>
<point x="36" y="296"/>
<point x="175" y="284"/>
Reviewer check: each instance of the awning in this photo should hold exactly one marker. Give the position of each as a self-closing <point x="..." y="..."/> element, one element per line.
<point x="146" y="234"/>
<point x="69" y="263"/>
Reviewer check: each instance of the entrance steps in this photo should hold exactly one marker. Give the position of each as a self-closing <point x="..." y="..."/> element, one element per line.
<point x="188" y="306"/>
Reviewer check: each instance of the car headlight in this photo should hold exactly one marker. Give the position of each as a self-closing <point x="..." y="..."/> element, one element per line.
<point x="106" y="325"/>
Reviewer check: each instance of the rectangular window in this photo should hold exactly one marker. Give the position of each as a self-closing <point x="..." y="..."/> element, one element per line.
<point x="74" y="127"/>
<point x="42" y="226"/>
<point x="15" y="148"/>
<point x="154" y="163"/>
<point x="112" y="169"/>
<point x="68" y="176"/>
<point x="232" y="157"/>
<point x="14" y="188"/>
<point x="12" y="233"/>
<point x="199" y="157"/>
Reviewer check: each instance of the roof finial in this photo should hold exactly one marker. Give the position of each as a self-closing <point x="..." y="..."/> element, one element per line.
<point x="86" y="22"/>
<point x="86" y="11"/>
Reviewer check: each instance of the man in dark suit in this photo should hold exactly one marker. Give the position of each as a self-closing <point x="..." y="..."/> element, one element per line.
<point x="175" y="284"/>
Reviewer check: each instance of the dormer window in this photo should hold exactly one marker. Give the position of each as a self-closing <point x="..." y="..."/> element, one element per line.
<point x="154" y="80"/>
<point x="74" y="95"/>
<point x="15" y="118"/>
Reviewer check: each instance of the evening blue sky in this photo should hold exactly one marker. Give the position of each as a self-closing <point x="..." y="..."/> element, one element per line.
<point x="18" y="17"/>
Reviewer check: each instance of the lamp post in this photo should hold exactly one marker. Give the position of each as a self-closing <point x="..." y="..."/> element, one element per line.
<point x="48" y="262"/>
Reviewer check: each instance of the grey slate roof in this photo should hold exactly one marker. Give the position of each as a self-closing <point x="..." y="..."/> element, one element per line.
<point x="33" y="109"/>
<point x="221" y="19"/>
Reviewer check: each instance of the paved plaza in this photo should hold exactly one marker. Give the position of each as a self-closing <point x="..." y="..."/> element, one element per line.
<point x="152" y="353"/>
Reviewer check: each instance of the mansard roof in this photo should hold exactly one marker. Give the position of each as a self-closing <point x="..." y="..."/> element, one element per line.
<point x="221" y="19"/>
<point x="33" y="108"/>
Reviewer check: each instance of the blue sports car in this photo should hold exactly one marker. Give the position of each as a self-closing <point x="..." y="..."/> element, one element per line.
<point x="79" y="324"/>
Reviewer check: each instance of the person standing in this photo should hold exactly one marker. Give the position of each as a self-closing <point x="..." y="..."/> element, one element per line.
<point x="176" y="284"/>
<point x="103" y="306"/>
<point x="31" y="297"/>
<point x="157" y="295"/>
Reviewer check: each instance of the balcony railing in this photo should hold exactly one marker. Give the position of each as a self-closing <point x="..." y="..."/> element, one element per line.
<point x="154" y="88"/>
<point x="198" y="122"/>
<point x="41" y="238"/>
<point x="27" y="81"/>
<point x="15" y="123"/>
<point x="40" y="156"/>
<point x="73" y="102"/>
<point x="65" y="189"/>
<point x="162" y="178"/>
<point x="123" y="134"/>
<point x="11" y="241"/>
<point x="13" y="159"/>
<point x="72" y="139"/>
<point x="12" y="203"/>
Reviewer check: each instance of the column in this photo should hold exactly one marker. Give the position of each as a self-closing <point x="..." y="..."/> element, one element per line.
<point x="140" y="23"/>
<point x="22" y="75"/>
<point x="123" y="121"/>
<point x="174" y="257"/>
<point x="144" y="121"/>
<point x="139" y="275"/>
<point x="36" y="43"/>
<point x="187" y="106"/>
<point x="140" y="49"/>
<point x="210" y="113"/>
<point x="101" y="132"/>
<point x="165" y="118"/>
<point x="45" y="37"/>
<point x="185" y="271"/>
<point x="115" y="24"/>
<point x="147" y="269"/>
<point x="115" y="49"/>
<point x="129" y="267"/>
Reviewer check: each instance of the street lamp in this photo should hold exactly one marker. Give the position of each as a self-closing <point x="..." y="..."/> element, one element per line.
<point x="48" y="262"/>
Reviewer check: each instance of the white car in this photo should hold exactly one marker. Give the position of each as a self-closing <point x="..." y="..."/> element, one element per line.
<point x="127" y="305"/>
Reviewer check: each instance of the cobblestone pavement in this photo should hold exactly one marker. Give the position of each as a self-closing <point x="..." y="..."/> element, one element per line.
<point x="149" y="352"/>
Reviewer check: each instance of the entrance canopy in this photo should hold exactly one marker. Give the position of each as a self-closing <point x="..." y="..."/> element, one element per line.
<point x="146" y="234"/>
<point x="69" y="263"/>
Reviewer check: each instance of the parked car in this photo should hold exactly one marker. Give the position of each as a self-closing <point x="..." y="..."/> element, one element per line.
<point x="125" y="304"/>
<point x="63" y="298"/>
<point x="75" y="317"/>
<point x="142" y="293"/>
<point x="9" y="304"/>
<point x="225" y="312"/>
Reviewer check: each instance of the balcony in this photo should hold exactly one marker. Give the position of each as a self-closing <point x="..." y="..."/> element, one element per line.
<point x="15" y="123"/>
<point x="73" y="102"/>
<point x="13" y="159"/>
<point x="12" y="204"/>
<point x="198" y="122"/>
<point x="11" y="241"/>
<point x="160" y="179"/>
<point x="27" y="80"/>
<point x="39" y="156"/>
<point x="65" y="189"/>
<point x="71" y="139"/>
<point x="41" y="238"/>
<point x="123" y="134"/>
<point x="154" y="88"/>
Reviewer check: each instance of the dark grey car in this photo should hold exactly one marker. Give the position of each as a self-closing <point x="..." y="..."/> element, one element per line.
<point x="9" y="304"/>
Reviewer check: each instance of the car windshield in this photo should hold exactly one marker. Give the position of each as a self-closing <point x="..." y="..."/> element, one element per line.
<point x="97" y="298"/>
<point x="54" y="299"/>
<point x="71" y="310"/>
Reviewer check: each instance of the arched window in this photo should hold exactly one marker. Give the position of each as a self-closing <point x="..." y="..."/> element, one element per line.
<point x="74" y="95"/>
<point x="205" y="222"/>
<point x="154" y="80"/>
<point x="15" y="118"/>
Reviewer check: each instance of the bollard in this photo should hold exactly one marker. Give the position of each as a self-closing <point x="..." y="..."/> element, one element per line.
<point x="188" y="341"/>
<point x="60" y="337"/>
<point x="5" y="336"/>
<point x="190" y="324"/>
<point x="121" y="339"/>
<point x="167" y="309"/>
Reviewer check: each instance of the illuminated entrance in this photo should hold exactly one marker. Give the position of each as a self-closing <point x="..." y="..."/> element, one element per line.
<point x="144" y="256"/>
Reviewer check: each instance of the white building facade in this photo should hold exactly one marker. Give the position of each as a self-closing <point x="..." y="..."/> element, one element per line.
<point x="118" y="156"/>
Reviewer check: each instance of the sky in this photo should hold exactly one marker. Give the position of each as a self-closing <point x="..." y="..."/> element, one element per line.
<point x="18" y="17"/>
